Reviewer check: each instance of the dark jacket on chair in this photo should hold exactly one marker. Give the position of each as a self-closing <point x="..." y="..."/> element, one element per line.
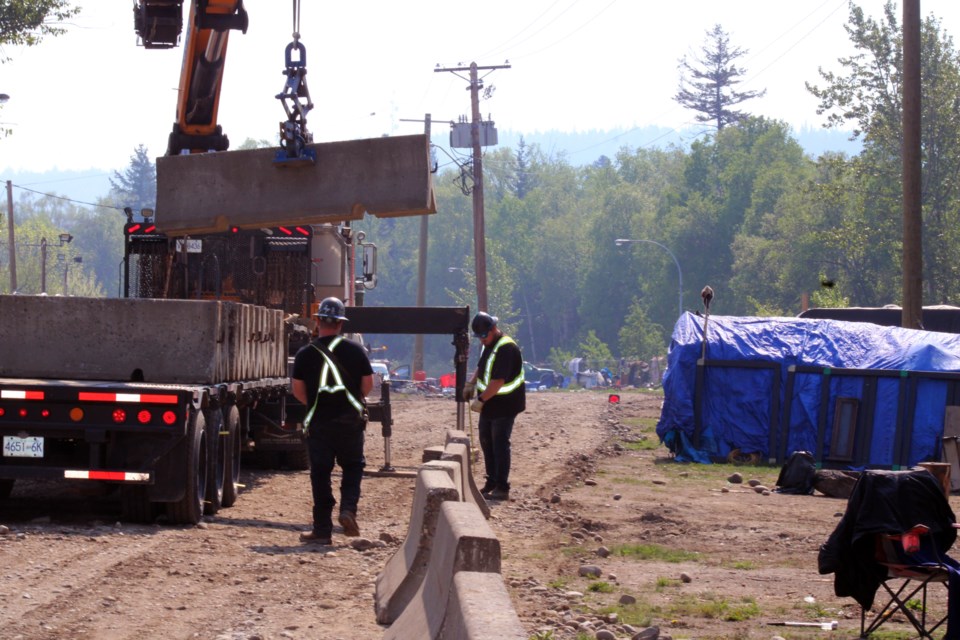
<point x="883" y="502"/>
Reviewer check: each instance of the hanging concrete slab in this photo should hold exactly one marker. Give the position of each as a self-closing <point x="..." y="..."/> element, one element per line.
<point x="211" y="192"/>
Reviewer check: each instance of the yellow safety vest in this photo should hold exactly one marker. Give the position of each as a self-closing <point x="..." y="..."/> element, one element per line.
<point x="329" y="371"/>
<point x="484" y="379"/>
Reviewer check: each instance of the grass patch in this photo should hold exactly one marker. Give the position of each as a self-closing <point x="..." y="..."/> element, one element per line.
<point x="712" y="607"/>
<point x="654" y="552"/>
<point x="664" y="582"/>
<point x="741" y="565"/>
<point x="600" y="586"/>
<point x="646" y="444"/>
<point x="558" y="583"/>
<point x="640" y="614"/>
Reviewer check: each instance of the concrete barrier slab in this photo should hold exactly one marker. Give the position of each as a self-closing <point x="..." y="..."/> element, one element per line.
<point x="80" y="338"/>
<point x="463" y="542"/>
<point x="460" y="453"/>
<point x="210" y="192"/>
<point x="480" y="608"/>
<point x="401" y="576"/>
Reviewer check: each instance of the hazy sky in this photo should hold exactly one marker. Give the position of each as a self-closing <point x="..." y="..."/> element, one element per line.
<point x="88" y="98"/>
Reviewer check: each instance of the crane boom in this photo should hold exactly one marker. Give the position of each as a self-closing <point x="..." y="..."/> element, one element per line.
<point x="158" y="24"/>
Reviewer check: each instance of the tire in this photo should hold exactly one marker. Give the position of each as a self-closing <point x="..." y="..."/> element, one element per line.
<point x="298" y="460"/>
<point x="189" y="509"/>
<point x="216" y="461"/>
<point x="234" y="448"/>
<point x="6" y="486"/>
<point x="135" y="505"/>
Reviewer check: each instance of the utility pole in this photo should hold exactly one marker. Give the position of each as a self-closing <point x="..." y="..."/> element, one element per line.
<point x="422" y="270"/>
<point x="479" y="243"/>
<point x="912" y="317"/>
<point x="11" y="246"/>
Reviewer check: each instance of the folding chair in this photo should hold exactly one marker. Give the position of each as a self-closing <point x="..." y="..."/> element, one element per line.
<point x="912" y="559"/>
<point x="895" y="534"/>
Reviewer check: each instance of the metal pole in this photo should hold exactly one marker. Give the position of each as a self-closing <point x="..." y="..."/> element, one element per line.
<point x="10" y="234"/>
<point x="66" y="267"/>
<point x="622" y="241"/>
<point x="43" y="265"/>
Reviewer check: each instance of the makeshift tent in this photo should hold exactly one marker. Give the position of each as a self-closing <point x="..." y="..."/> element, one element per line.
<point x="770" y="386"/>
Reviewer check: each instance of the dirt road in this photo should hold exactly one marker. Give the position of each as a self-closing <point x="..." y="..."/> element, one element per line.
<point x="587" y="474"/>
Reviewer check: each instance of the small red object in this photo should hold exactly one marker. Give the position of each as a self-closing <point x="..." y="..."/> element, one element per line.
<point x="614" y="398"/>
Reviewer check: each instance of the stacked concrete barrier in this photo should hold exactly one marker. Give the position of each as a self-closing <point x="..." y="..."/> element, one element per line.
<point x="442" y="608"/>
<point x="402" y="575"/>
<point x="204" y="341"/>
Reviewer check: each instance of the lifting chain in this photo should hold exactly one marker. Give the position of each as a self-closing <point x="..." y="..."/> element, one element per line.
<point x="295" y="98"/>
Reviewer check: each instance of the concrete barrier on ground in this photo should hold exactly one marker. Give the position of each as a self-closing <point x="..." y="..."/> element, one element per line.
<point x="463" y="542"/>
<point x="459" y="452"/>
<point x="431" y="453"/>
<point x="480" y="608"/>
<point x="401" y="576"/>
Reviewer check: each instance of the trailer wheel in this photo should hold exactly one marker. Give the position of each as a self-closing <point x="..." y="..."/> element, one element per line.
<point x="298" y="460"/>
<point x="6" y="486"/>
<point x="135" y="505"/>
<point x="189" y="509"/>
<point x="234" y="448"/>
<point x="217" y="461"/>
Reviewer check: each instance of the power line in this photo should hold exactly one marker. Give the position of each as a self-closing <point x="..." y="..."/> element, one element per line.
<point x="50" y="195"/>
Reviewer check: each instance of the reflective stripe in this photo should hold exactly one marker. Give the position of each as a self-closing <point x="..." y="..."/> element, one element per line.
<point x="330" y="370"/>
<point x="121" y="476"/>
<point x="484" y="380"/>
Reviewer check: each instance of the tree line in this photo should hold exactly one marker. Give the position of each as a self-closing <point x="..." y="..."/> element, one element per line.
<point x="743" y="209"/>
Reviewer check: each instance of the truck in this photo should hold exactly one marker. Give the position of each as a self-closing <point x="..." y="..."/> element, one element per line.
<point x="161" y="390"/>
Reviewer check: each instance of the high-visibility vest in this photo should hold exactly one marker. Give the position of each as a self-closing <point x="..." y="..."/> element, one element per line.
<point x="484" y="379"/>
<point x="331" y="381"/>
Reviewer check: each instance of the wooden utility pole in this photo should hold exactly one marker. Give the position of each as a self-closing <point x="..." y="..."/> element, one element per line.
<point x="912" y="208"/>
<point x="479" y="242"/>
<point x="421" y="272"/>
<point x="11" y="246"/>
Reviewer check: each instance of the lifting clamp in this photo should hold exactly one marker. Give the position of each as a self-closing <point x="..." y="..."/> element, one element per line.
<point x="295" y="98"/>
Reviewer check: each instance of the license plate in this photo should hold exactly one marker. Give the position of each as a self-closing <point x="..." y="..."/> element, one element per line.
<point x="14" y="447"/>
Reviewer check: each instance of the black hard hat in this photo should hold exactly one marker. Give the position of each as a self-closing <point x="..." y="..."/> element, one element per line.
<point x="482" y="324"/>
<point x="331" y="309"/>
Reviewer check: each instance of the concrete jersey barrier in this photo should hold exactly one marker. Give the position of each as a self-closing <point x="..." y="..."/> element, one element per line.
<point x="403" y="573"/>
<point x="463" y="542"/>
<point x="480" y="609"/>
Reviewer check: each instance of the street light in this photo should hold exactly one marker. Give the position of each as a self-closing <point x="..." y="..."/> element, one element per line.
<point x="622" y="241"/>
<point x="64" y="238"/>
<point x="66" y="269"/>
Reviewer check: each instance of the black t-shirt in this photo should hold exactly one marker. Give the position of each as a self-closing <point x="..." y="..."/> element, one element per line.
<point x="308" y="363"/>
<point x="506" y="366"/>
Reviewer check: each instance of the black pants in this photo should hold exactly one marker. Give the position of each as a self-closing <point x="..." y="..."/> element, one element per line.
<point x="495" y="444"/>
<point x="330" y="443"/>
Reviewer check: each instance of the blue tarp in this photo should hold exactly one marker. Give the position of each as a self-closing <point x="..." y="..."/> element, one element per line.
<point x="737" y="402"/>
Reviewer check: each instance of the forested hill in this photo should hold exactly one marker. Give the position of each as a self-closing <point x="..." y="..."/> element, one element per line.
<point x="578" y="148"/>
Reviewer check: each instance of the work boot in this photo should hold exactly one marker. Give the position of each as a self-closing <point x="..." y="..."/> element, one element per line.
<point x="499" y="494"/>
<point x="315" y="538"/>
<point x="487" y="488"/>
<point x="348" y="521"/>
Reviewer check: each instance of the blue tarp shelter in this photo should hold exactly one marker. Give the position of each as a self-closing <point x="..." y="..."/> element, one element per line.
<point x="769" y="386"/>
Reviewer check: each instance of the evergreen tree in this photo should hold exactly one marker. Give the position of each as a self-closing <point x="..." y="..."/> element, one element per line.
<point x="137" y="186"/>
<point x="708" y="81"/>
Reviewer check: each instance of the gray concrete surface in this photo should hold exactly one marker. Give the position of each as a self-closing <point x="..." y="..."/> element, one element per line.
<point x="168" y="341"/>
<point x="209" y="192"/>
<point x="402" y="574"/>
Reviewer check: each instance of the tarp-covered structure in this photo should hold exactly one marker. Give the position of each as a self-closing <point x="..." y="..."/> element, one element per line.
<point x="770" y="386"/>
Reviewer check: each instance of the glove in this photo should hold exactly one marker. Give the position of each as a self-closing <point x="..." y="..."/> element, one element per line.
<point x="468" y="390"/>
<point x="476" y="405"/>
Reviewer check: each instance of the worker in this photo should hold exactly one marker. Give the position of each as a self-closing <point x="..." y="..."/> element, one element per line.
<point x="500" y="395"/>
<point x="332" y="377"/>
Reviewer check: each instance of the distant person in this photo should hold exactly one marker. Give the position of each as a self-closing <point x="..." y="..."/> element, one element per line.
<point x="332" y="376"/>
<point x="500" y="396"/>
